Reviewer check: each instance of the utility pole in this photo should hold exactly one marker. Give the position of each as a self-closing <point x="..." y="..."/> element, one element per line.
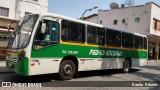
<point x="90" y="9"/>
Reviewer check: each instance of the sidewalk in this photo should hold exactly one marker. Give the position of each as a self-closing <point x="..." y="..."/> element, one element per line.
<point x="153" y="61"/>
<point x="3" y="68"/>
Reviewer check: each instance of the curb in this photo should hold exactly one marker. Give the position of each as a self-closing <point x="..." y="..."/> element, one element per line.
<point x="151" y="61"/>
<point x="5" y="72"/>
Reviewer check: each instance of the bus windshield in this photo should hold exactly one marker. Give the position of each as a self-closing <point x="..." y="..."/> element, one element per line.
<point x="22" y="33"/>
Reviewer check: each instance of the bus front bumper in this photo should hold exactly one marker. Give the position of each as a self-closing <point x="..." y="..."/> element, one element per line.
<point x="19" y="67"/>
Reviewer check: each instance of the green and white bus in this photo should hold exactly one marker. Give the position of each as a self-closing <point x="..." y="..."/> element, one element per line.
<point x="51" y="43"/>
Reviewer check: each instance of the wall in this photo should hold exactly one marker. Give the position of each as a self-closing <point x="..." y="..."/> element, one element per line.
<point x="33" y="7"/>
<point x="93" y="19"/>
<point x="9" y="4"/>
<point x="3" y="43"/>
<point x="24" y="6"/>
<point x="17" y="9"/>
<point x="129" y="14"/>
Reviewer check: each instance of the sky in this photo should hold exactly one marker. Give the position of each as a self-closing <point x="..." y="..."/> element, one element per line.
<point x="75" y="8"/>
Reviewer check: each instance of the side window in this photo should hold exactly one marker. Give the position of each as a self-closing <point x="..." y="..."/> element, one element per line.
<point x="64" y="30"/>
<point x="127" y="40"/>
<point x="53" y="28"/>
<point x="72" y="31"/>
<point x="91" y="35"/>
<point x="145" y="43"/>
<point x="49" y="37"/>
<point x="113" y="38"/>
<point x="100" y="37"/>
<point x="81" y="33"/>
<point x="95" y="35"/>
<point x="72" y="34"/>
<point x="138" y="42"/>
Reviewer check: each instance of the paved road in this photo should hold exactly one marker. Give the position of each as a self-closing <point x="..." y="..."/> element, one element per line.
<point x="91" y="78"/>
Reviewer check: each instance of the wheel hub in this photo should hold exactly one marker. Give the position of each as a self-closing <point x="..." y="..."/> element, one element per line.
<point x="67" y="69"/>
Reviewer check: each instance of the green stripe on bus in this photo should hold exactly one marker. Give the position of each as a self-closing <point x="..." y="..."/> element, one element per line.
<point x="59" y="51"/>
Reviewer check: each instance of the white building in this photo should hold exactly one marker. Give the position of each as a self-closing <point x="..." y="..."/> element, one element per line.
<point x="143" y="19"/>
<point x="13" y="10"/>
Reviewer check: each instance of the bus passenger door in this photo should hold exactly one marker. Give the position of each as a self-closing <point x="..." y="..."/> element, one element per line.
<point x="43" y="50"/>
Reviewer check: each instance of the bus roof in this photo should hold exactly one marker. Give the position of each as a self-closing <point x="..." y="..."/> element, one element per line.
<point x="69" y="18"/>
<point x="85" y="22"/>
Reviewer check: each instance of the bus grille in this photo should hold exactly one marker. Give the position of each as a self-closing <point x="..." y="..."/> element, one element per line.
<point x="14" y="59"/>
<point x="11" y="58"/>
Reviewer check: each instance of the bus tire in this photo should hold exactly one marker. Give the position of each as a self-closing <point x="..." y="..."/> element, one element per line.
<point x="126" y="66"/>
<point x="67" y="70"/>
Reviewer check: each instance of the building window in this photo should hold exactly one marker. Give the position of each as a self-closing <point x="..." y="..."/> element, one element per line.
<point x="4" y="11"/>
<point x="137" y="19"/>
<point x="101" y="22"/>
<point x="115" y="22"/>
<point x="156" y="24"/>
<point x="123" y="20"/>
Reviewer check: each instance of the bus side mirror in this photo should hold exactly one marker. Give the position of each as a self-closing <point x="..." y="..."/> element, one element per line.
<point x="43" y="28"/>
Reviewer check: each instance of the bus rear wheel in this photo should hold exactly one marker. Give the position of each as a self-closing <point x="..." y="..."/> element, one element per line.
<point x="67" y="70"/>
<point x="126" y="66"/>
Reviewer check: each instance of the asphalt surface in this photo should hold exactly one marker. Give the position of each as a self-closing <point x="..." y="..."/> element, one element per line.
<point x="90" y="80"/>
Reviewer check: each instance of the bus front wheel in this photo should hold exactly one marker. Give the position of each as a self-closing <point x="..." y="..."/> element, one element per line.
<point x="126" y="66"/>
<point x="67" y="70"/>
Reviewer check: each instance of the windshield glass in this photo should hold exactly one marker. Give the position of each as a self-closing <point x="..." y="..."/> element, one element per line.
<point x="21" y="35"/>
